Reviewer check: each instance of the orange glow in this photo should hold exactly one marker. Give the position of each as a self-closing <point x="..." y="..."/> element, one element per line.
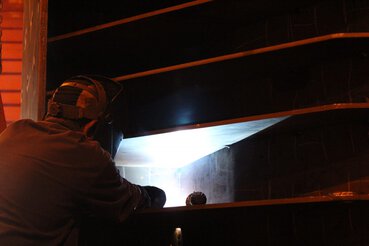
<point x="11" y="23"/>
<point x="11" y="97"/>
<point x="12" y="113"/>
<point x="11" y="51"/>
<point x="12" y="66"/>
<point x="2" y="116"/>
<point x="11" y="58"/>
<point x="10" y="86"/>
<point x="10" y="82"/>
<point x="11" y="35"/>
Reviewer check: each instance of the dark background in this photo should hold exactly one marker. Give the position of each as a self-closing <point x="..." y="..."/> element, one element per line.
<point x="309" y="75"/>
<point x="314" y="154"/>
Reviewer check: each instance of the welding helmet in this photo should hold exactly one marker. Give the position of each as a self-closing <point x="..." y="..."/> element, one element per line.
<point x="84" y="97"/>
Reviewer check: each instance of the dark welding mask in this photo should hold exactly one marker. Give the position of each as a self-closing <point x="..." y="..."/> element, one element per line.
<point x="90" y="97"/>
<point x="84" y="97"/>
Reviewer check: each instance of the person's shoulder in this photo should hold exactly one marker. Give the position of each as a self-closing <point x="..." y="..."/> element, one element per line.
<point x="98" y="151"/>
<point x="21" y="122"/>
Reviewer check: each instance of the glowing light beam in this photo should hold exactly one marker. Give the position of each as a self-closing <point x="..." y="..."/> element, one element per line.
<point x="179" y="148"/>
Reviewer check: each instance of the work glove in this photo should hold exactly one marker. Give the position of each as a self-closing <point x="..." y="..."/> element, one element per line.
<point x="154" y="196"/>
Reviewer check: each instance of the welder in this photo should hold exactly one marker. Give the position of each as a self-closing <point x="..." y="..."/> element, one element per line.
<point x="54" y="173"/>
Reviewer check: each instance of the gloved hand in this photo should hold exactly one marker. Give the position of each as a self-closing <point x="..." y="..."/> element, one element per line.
<point x="155" y="195"/>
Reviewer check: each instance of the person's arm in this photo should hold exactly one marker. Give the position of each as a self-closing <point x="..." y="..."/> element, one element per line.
<point x="114" y="198"/>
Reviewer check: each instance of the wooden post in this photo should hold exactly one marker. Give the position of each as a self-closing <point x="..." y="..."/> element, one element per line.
<point x="34" y="59"/>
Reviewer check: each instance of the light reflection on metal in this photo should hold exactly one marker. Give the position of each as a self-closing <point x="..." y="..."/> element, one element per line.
<point x="176" y="149"/>
<point x="157" y="159"/>
<point x="179" y="148"/>
<point x="134" y="155"/>
<point x="177" y="237"/>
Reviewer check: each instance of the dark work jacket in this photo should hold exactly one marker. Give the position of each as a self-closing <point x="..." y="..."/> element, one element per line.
<point x="51" y="176"/>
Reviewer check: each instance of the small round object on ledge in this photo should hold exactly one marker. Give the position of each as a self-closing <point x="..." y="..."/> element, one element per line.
<point x="196" y="198"/>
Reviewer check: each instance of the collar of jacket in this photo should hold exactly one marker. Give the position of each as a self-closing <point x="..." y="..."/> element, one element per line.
<point x="70" y="124"/>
